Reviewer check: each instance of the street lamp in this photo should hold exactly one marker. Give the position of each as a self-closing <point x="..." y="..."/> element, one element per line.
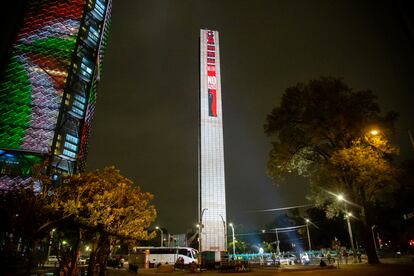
<point x="277" y="242"/>
<point x="162" y="235"/>
<point x="340" y="198"/>
<point x="234" y="245"/>
<point x="50" y="242"/>
<point x="225" y="233"/>
<point x="374" y="132"/>
<point x="200" y="227"/>
<point x="348" y="215"/>
<point x="307" y="230"/>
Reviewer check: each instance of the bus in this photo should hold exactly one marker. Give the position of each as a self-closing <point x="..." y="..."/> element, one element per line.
<point x="169" y="255"/>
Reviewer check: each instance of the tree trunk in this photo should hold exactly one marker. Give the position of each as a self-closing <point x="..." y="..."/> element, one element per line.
<point x="104" y="254"/>
<point x="369" y="244"/>
<point x="73" y="266"/>
<point x="366" y="234"/>
<point x="30" y="251"/>
<point x="92" y="262"/>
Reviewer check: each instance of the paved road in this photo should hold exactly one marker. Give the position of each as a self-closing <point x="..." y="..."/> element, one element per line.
<point x="345" y="270"/>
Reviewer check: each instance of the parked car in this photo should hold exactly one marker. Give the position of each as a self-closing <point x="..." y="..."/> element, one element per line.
<point x="83" y="260"/>
<point x="53" y="259"/>
<point x="288" y="259"/>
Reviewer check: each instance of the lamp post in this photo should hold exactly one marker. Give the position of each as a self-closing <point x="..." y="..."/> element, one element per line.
<point x="162" y="235"/>
<point x="200" y="227"/>
<point x="225" y="232"/>
<point x="373" y="237"/>
<point x="340" y="198"/>
<point x="234" y="245"/>
<point x="348" y="215"/>
<point x="277" y="242"/>
<point x="199" y="237"/>
<point x="50" y="243"/>
<point x="307" y="230"/>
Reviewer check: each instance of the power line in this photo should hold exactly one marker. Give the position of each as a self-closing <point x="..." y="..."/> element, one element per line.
<point x="283" y="208"/>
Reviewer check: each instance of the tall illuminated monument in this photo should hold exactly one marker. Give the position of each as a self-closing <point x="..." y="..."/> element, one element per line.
<point x="212" y="194"/>
<point x="48" y="87"/>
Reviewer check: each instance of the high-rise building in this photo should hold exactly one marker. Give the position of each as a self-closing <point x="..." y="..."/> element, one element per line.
<point x="212" y="194"/>
<point x="48" y="86"/>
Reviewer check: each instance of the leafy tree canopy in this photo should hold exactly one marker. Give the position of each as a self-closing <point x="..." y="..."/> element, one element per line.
<point x="323" y="130"/>
<point x="316" y="118"/>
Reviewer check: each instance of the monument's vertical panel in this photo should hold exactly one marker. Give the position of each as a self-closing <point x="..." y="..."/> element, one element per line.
<point x="212" y="182"/>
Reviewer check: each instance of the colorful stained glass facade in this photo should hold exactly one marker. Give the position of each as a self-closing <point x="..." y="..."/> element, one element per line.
<point x="48" y="88"/>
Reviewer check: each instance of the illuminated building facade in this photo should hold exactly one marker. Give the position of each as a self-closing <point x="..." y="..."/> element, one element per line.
<point x="212" y="194"/>
<point x="48" y="87"/>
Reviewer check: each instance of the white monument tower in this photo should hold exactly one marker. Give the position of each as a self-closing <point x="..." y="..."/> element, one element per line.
<point x="212" y="194"/>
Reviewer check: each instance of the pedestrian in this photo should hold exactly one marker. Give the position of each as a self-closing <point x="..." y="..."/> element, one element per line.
<point x="121" y="261"/>
<point x="328" y="256"/>
<point x="359" y="256"/>
<point x="346" y="256"/>
<point x="339" y="254"/>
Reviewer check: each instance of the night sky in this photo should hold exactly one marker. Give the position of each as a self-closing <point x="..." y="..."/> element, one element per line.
<point x="146" y="120"/>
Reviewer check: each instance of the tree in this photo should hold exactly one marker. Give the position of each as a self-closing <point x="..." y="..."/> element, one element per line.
<point x="320" y="131"/>
<point x="28" y="215"/>
<point x="106" y="204"/>
<point x="102" y="206"/>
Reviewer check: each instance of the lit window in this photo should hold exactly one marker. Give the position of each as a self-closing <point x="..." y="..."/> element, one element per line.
<point x="93" y="35"/>
<point x="72" y="139"/>
<point x="70" y="146"/>
<point x="77" y="111"/>
<point x="86" y="68"/>
<point x="79" y="105"/>
<point x="80" y="98"/>
<point x="69" y="153"/>
<point x="99" y="8"/>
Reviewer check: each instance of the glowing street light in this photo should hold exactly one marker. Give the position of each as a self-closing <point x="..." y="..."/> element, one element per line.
<point x="162" y="235"/>
<point x="340" y="197"/>
<point x="374" y="132"/>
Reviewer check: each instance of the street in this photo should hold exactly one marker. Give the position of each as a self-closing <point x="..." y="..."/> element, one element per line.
<point x="344" y="270"/>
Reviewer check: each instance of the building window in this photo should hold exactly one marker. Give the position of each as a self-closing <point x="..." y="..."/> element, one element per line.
<point x="86" y="68"/>
<point x="70" y="146"/>
<point x="69" y="153"/>
<point x="99" y="8"/>
<point x="93" y="35"/>
<point x="72" y="139"/>
<point x="78" y="104"/>
<point x="80" y="98"/>
<point x="77" y="111"/>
